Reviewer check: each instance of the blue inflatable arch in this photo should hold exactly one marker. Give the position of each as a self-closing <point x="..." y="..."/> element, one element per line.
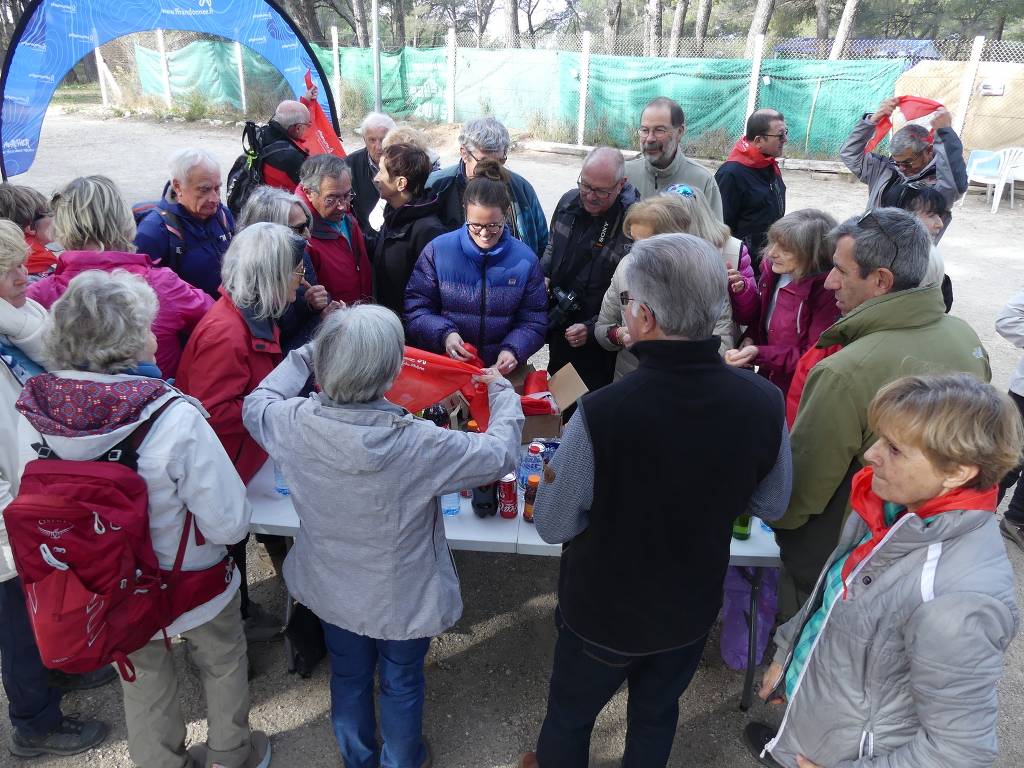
<point x="54" y="35"/>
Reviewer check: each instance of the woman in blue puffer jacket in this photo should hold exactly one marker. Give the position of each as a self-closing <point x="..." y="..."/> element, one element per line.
<point x="479" y="285"/>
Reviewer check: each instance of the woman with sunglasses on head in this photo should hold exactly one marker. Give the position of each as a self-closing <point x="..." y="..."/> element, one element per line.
<point x="479" y="285"/>
<point x="790" y="307"/>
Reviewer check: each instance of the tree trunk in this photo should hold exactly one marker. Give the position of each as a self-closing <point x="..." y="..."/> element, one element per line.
<point x="678" y="20"/>
<point x="312" y="25"/>
<point x="845" y="29"/>
<point x="512" y="23"/>
<point x="703" y="17"/>
<point x="613" y="18"/>
<point x="997" y="33"/>
<point x="359" y="12"/>
<point x="822" y="28"/>
<point x="398" y="23"/>
<point x="759" y="24"/>
<point x="653" y="27"/>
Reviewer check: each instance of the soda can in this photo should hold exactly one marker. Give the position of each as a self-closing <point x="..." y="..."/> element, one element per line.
<point x="508" y="498"/>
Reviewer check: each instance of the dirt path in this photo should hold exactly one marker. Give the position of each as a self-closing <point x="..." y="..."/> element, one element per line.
<point x="487" y="677"/>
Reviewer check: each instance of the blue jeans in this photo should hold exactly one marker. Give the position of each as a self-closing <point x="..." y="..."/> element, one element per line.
<point x="584" y="677"/>
<point x="33" y="705"/>
<point x="354" y="658"/>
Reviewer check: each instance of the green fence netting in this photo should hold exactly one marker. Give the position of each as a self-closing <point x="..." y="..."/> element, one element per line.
<point x="539" y="90"/>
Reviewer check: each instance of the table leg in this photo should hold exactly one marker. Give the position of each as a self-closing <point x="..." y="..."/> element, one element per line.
<point x="289" y="657"/>
<point x="748" y="679"/>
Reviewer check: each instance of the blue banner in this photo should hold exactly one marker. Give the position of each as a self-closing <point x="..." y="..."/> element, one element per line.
<point x="57" y="34"/>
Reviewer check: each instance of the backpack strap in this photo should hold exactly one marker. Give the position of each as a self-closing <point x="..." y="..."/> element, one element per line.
<point x="177" y="236"/>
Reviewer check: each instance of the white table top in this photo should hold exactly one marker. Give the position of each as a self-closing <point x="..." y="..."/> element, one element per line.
<point x="274" y="514"/>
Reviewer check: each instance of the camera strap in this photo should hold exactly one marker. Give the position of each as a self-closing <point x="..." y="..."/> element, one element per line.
<point x="607" y="231"/>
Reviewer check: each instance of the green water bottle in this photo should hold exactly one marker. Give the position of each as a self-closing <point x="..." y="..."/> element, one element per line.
<point x="741" y="528"/>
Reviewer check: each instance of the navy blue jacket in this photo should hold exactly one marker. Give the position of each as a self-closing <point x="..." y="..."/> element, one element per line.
<point x="494" y="299"/>
<point x="194" y="252"/>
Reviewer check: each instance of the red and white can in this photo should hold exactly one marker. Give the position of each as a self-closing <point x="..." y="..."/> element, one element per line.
<point x="508" y="497"/>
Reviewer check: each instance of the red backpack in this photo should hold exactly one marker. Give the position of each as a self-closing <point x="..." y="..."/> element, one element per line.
<point x="79" y="531"/>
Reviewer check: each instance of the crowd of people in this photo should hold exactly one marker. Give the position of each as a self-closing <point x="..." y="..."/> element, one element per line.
<point x="833" y="395"/>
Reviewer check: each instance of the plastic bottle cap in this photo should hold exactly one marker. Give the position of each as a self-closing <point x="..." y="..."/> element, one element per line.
<point x="472" y="426"/>
<point x="535" y="448"/>
<point x="533" y="479"/>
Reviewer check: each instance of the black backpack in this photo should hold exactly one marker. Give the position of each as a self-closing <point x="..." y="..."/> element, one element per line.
<point x="247" y="172"/>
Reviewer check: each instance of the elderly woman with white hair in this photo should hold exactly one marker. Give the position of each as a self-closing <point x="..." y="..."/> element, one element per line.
<point x="101" y="346"/>
<point x="95" y="225"/>
<point x="189" y="229"/>
<point x="371" y="559"/>
<point x="480" y="138"/>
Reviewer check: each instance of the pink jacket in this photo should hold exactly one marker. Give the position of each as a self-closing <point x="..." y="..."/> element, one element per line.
<point x="181" y="305"/>
<point x="804" y="309"/>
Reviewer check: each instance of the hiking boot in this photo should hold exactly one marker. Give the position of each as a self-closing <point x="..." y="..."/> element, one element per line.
<point x="259" y="755"/>
<point x="1013" y="532"/>
<point x="62" y="681"/>
<point x="260" y="626"/>
<point x="755" y="736"/>
<point x="70" y="737"/>
<point x="529" y="760"/>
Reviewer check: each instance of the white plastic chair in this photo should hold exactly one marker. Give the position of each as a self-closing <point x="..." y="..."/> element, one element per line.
<point x="1011" y="169"/>
<point x="982" y="167"/>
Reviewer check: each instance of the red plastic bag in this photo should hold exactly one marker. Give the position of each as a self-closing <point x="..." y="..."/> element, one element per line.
<point x="427" y="378"/>
<point x="912" y="108"/>
<point x="320" y="138"/>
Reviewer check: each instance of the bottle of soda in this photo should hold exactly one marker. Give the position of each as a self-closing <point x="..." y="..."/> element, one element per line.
<point x="741" y="528"/>
<point x="439" y="415"/>
<point x="531" y="464"/>
<point x="530" y="497"/>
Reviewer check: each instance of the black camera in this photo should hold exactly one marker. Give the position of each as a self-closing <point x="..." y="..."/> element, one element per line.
<point x="562" y="305"/>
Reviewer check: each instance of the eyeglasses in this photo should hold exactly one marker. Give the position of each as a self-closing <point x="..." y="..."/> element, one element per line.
<point x="683" y="190"/>
<point x="299" y="271"/>
<point x="904" y="165"/>
<point x="332" y="200"/>
<point x="780" y="135"/>
<point x="301" y="227"/>
<point x="600" y="194"/>
<point x="659" y="132"/>
<point x="625" y="298"/>
<point x="485" y="154"/>
<point x="881" y="227"/>
<point x="490" y="229"/>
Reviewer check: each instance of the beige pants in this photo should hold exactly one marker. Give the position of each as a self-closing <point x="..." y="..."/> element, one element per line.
<point x="156" y="728"/>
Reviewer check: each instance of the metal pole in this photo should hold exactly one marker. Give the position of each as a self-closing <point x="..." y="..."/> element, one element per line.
<point x="581" y="121"/>
<point x="336" y="57"/>
<point x="241" y="75"/>
<point x="103" y="82"/>
<point x="375" y="11"/>
<point x="755" y="74"/>
<point x="967" y="85"/>
<point x="450" y="90"/>
<point x="162" y="50"/>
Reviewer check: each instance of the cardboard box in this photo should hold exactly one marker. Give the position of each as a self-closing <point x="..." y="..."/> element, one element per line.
<point x="566" y="388"/>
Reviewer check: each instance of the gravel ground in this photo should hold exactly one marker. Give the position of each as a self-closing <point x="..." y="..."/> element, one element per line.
<point x="487" y="677"/>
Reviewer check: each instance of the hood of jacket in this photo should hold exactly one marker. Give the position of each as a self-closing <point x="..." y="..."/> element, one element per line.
<point x="912" y="308"/>
<point x="71" y="263"/>
<point x="398" y="220"/>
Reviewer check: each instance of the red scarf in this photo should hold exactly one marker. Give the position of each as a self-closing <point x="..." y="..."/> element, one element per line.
<point x="747" y="154"/>
<point x="871" y="508"/>
<point x="912" y="108"/>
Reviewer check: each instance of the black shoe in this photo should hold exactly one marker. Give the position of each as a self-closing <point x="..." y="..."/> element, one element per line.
<point x="1012" y="531"/>
<point x="62" y="681"/>
<point x="70" y="737"/>
<point x="755" y="736"/>
<point x="260" y="626"/>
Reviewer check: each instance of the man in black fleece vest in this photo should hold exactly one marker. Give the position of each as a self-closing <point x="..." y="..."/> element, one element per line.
<point x="651" y="473"/>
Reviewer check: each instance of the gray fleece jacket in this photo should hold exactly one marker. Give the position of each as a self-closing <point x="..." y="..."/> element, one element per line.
<point x="904" y="671"/>
<point x="371" y="555"/>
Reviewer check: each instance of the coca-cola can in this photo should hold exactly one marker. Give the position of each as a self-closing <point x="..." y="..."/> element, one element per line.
<point x="508" y="498"/>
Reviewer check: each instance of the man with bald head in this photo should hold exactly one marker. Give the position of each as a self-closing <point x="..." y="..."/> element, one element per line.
<point x="585" y="246"/>
<point x="282" y="154"/>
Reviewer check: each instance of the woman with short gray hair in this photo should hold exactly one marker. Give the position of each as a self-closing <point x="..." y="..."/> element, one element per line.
<point x="94" y="224"/>
<point x="101" y="391"/>
<point x="365" y="476"/>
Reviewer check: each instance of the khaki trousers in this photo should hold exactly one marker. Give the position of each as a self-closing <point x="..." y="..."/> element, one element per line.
<point x="156" y="728"/>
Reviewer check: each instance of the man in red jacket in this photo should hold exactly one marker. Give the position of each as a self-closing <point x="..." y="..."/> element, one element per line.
<point x="336" y="245"/>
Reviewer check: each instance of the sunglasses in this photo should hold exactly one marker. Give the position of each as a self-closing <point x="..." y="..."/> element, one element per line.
<point x="299" y="229"/>
<point x="625" y="298"/>
<point x="870" y="216"/>
<point x="683" y="190"/>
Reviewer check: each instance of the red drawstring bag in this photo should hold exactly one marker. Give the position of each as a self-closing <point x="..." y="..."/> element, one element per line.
<point x="320" y="137"/>
<point x="912" y="108"/>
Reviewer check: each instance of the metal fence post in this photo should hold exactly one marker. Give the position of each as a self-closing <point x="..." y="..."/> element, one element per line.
<point x="375" y="11"/>
<point x="164" y="71"/>
<point x="336" y="60"/>
<point x="755" y="74"/>
<point x="100" y="66"/>
<point x="967" y="85"/>
<point x="241" y="76"/>
<point x="581" y="122"/>
<point x="450" y="88"/>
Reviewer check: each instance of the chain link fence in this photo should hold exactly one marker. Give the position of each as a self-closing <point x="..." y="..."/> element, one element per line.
<point x="534" y="83"/>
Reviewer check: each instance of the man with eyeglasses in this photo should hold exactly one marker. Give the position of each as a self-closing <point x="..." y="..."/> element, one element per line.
<point x="662" y="162"/>
<point x="336" y="246"/>
<point x="587" y="243"/>
<point x="753" y="192"/>
<point x="282" y="155"/>
<point x="918" y="157"/>
<point x="891" y="326"/>
<point x="480" y="138"/>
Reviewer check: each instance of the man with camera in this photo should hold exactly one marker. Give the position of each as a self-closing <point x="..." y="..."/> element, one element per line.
<point x="586" y="244"/>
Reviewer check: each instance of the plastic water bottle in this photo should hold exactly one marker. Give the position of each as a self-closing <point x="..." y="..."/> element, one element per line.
<point x="279" y="484"/>
<point x="450" y="504"/>
<point x="531" y="464"/>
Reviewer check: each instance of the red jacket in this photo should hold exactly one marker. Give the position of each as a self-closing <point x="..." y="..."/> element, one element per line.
<point x="341" y="267"/>
<point x="810" y="358"/>
<point x="804" y="309"/>
<point x="228" y="355"/>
